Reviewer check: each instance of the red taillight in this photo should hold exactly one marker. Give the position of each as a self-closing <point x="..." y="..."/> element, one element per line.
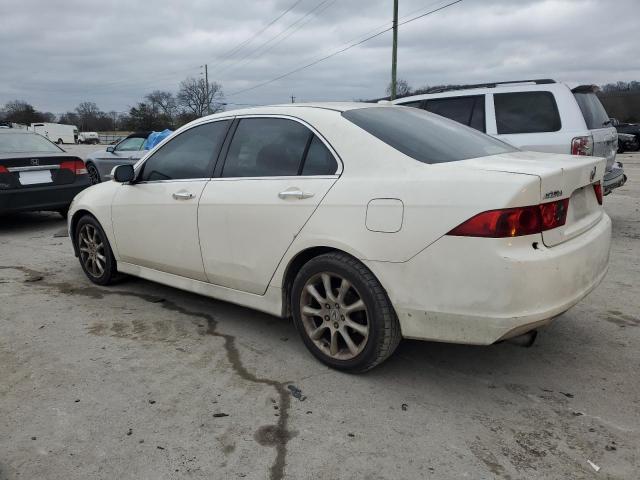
<point x="582" y="146"/>
<point x="3" y="169"/>
<point x="597" y="188"/>
<point x="514" y="222"/>
<point x="77" y="166"/>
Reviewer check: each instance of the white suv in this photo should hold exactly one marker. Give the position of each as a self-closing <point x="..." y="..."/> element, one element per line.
<point x="539" y="115"/>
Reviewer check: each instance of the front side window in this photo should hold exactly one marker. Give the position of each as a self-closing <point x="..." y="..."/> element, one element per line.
<point x="526" y="112"/>
<point x="188" y="155"/>
<point x="130" y="144"/>
<point x="459" y="109"/>
<point x="423" y="136"/>
<point x="266" y="147"/>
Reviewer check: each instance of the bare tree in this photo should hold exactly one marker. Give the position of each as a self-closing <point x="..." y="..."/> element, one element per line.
<point x="402" y="88"/>
<point x="199" y="99"/>
<point x="164" y="103"/>
<point x="88" y="114"/>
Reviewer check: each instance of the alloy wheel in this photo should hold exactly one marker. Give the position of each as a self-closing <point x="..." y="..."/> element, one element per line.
<point x="334" y="316"/>
<point x="92" y="250"/>
<point x="94" y="176"/>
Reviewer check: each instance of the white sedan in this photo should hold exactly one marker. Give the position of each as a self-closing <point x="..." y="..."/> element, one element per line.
<point x="365" y="223"/>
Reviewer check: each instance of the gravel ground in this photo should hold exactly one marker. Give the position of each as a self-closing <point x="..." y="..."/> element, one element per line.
<point x="141" y="381"/>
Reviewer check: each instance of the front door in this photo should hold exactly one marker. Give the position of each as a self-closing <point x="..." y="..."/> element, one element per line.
<point x="275" y="174"/>
<point x="155" y="219"/>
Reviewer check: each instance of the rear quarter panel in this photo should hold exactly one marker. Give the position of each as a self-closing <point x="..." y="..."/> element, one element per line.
<point x="436" y="198"/>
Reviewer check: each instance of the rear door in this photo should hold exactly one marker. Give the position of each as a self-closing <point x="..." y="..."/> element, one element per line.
<point x="605" y="139"/>
<point x="275" y="174"/>
<point x="155" y="219"/>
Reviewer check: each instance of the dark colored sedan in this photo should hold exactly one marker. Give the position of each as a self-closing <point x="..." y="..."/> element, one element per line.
<point x="36" y="174"/>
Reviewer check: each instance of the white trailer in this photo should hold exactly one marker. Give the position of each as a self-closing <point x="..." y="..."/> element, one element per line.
<point x="57" y="132"/>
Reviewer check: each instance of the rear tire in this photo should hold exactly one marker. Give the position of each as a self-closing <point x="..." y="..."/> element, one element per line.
<point x="59" y="142"/>
<point x="343" y="313"/>
<point x="95" y="254"/>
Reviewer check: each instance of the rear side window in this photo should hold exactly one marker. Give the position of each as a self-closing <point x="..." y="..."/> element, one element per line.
<point x="593" y="112"/>
<point x="424" y="136"/>
<point x="466" y="110"/>
<point x="526" y="112"/>
<point x="189" y="155"/>
<point x="266" y="147"/>
<point x="319" y="160"/>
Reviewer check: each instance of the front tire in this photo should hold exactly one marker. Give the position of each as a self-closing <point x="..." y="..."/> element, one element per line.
<point x="94" y="175"/>
<point x="59" y="142"/>
<point x="343" y="314"/>
<point x="95" y="254"/>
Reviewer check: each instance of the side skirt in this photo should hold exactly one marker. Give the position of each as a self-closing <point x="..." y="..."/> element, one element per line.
<point x="270" y="302"/>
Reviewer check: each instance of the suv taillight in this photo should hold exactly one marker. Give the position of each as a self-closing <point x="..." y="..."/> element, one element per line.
<point x="582" y="146"/>
<point x="3" y="169"/>
<point x="77" y="166"/>
<point x="514" y="222"/>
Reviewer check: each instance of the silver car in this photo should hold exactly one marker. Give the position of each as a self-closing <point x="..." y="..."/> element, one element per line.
<point x="127" y="151"/>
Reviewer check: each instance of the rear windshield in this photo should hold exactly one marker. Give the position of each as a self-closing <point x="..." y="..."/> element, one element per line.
<point x="592" y="110"/>
<point x="424" y="136"/>
<point x="26" y="143"/>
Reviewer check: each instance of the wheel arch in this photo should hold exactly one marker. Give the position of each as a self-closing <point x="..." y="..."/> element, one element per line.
<point x="73" y="223"/>
<point x="297" y="262"/>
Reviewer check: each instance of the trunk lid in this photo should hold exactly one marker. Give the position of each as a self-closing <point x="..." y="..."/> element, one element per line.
<point x="25" y="170"/>
<point x="561" y="176"/>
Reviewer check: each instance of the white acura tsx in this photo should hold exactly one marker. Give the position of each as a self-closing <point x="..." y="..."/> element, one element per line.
<point x="365" y="223"/>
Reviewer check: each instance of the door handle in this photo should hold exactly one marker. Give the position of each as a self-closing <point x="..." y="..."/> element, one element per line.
<point x="295" y="193"/>
<point x="183" y="195"/>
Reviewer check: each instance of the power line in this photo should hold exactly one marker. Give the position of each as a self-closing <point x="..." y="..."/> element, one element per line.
<point x="264" y="44"/>
<point x="246" y="42"/>
<point x="342" y="50"/>
<point x="264" y="51"/>
<point x="225" y="56"/>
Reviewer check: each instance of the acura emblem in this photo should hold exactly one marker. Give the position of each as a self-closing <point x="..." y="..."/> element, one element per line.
<point x="35" y="162"/>
<point x="592" y="175"/>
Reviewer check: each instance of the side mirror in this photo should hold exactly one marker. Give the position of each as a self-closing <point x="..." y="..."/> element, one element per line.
<point x="111" y="148"/>
<point x="614" y="122"/>
<point x="123" y="173"/>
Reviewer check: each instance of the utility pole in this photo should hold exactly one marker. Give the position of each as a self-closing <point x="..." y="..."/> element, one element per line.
<point x="293" y="99"/>
<point x="394" y="54"/>
<point x="206" y="82"/>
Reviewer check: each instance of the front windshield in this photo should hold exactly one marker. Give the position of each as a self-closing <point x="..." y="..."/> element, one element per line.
<point x="424" y="136"/>
<point x="26" y="143"/>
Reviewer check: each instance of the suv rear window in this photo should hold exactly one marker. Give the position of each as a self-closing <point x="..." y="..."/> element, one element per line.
<point x="424" y="136"/>
<point x="593" y="112"/>
<point x="526" y="112"/>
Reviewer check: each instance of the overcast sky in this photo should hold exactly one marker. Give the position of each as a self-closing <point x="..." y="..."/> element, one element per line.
<point x="55" y="54"/>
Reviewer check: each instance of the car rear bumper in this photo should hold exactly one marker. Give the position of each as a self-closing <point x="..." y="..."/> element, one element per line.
<point x="50" y="197"/>
<point x="614" y="178"/>
<point x="482" y="290"/>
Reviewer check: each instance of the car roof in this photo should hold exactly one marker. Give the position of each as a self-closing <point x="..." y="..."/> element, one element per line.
<point x="293" y="108"/>
<point x="482" y="90"/>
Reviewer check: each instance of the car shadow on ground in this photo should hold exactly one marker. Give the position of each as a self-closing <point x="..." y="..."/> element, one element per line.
<point x="30" y="221"/>
<point x="413" y="360"/>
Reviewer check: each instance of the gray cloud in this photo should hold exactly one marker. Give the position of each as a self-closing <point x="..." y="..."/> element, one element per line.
<point x="57" y="54"/>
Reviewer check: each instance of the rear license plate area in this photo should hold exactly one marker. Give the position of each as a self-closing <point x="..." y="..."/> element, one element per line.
<point x="35" y="177"/>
